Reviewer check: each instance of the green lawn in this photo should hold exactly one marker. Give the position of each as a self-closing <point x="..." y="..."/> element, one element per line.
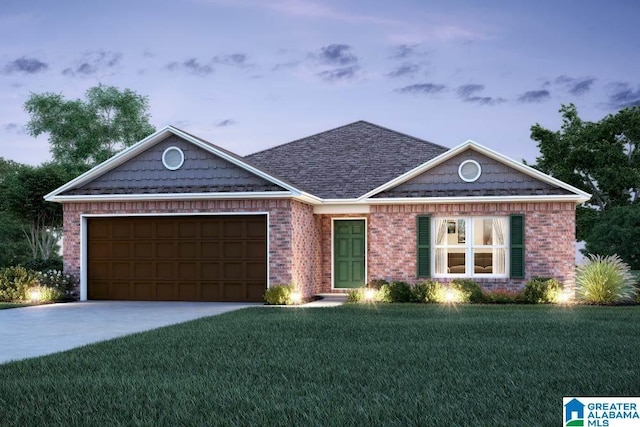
<point x="352" y="365"/>
<point x="5" y="305"/>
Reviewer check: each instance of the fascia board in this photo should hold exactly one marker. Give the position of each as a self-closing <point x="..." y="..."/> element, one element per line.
<point x="173" y="196"/>
<point x="480" y="199"/>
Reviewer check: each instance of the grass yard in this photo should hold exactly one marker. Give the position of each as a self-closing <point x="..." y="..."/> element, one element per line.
<point x="6" y="305"/>
<point x="352" y="365"/>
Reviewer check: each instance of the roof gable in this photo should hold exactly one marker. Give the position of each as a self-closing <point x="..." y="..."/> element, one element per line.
<point x="346" y="162"/>
<point x="201" y="172"/>
<point x="138" y="172"/>
<point x="501" y="177"/>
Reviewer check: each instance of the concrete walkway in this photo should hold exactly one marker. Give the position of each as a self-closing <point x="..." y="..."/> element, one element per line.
<point x="45" y="329"/>
<point x="328" y="300"/>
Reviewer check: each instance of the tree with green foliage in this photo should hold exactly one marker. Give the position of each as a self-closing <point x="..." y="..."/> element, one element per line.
<point x="88" y="132"/>
<point x="601" y="158"/>
<point x="617" y="231"/>
<point x="14" y="248"/>
<point x="23" y="198"/>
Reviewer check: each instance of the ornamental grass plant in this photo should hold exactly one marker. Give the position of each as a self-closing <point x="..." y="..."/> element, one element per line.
<point x="605" y="280"/>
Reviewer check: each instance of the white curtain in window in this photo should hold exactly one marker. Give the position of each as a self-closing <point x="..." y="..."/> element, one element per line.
<point x="499" y="239"/>
<point x="441" y="253"/>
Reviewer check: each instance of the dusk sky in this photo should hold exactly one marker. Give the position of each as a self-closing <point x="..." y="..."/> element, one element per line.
<point x="251" y="74"/>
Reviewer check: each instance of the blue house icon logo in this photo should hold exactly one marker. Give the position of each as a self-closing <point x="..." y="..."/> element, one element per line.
<point x="574" y="413"/>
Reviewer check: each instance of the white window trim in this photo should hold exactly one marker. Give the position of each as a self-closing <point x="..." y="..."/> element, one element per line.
<point x="164" y="155"/>
<point x="475" y="178"/>
<point x="468" y="247"/>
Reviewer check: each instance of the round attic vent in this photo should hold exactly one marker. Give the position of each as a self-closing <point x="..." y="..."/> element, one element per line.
<point x="469" y="170"/>
<point x="172" y="158"/>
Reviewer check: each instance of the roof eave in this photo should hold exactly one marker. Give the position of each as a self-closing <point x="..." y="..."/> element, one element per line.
<point x="173" y="196"/>
<point x="477" y="199"/>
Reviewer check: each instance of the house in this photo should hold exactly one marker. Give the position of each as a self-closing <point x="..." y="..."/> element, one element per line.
<point x="175" y="217"/>
<point x="574" y="407"/>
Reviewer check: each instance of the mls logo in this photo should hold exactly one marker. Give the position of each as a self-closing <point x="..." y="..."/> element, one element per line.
<point x="573" y="413"/>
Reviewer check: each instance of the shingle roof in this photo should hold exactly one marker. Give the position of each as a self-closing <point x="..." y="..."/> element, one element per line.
<point x="346" y="162"/>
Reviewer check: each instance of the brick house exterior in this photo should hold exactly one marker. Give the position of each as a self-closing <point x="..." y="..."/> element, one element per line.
<point x="332" y="220"/>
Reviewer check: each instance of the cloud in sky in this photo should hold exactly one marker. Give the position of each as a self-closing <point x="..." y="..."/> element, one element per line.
<point x="422" y="89"/>
<point x="337" y="54"/>
<point x="404" y="51"/>
<point x="405" y="70"/>
<point x="576" y="86"/>
<point x="12" y="127"/>
<point x="234" y="59"/>
<point x="191" y="66"/>
<point x="25" y="65"/>
<point x="338" y="74"/>
<point x="623" y="96"/>
<point x="94" y="62"/>
<point x="469" y="93"/>
<point x="534" y="96"/>
<point x="225" y="123"/>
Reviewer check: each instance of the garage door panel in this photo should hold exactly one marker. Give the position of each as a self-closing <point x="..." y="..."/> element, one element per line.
<point x="199" y="258"/>
<point x="165" y="270"/>
<point x="211" y="250"/>
<point x="233" y="250"/>
<point x="188" y="270"/>
<point x="256" y="249"/>
<point x="121" y="250"/>
<point x="165" y="250"/>
<point x="121" y="270"/>
<point x="255" y="270"/>
<point x="187" y="230"/>
<point x="143" y="229"/>
<point x="118" y="230"/>
<point x="187" y="249"/>
<point x="143" y="250"/>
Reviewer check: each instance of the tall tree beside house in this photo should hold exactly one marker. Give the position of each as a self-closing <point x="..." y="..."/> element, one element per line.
<point x="23" y="197"/>
<point x="89" y="131"/>
<point x="14" y="248"/>
<point x="602" y="158"/>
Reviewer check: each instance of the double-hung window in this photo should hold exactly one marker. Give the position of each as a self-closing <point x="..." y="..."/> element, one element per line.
<point x="470" y="246"/>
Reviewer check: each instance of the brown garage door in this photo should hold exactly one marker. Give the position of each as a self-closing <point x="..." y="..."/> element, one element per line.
<point x="198" y="258"/>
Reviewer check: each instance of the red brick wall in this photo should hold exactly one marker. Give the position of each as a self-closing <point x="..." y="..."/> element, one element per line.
<point x="280" y="227"/>
<point x="306" y="266"/>
<point x="549" y="239"/>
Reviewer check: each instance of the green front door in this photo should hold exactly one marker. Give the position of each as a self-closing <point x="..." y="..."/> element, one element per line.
<point x="349" y="246"/>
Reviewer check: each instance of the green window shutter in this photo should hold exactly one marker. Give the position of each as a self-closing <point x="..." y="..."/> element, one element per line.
<point x="517" y="246"/>
<point x="423" y="226"/>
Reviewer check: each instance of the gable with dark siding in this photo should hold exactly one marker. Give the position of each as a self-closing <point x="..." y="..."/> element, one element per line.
<point x="497" y="179"/>
<point x="202" y="172"/>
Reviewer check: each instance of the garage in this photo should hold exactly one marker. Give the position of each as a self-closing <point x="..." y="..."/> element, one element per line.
<point x="177" y="258"/>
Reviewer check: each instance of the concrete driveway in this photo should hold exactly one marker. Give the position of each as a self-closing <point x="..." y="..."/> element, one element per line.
<point x="45" y="329"/>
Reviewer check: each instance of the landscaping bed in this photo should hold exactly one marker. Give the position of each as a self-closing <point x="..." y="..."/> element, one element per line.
<point x="358" y="364"/>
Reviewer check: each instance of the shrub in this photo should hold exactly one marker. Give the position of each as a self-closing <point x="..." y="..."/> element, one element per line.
<point x="605" y="280"/>
<point x="471" y="290"/>
<point x="61" y="284"/>
<point x="428" y="291"/>
<point x="452" y="294"/>
<point x="399" y="292"/>
<point x="377" y="284"/>
<point x="356" y="295"/>
<point x="43" y="265"/>
<point x="384" y="293"/>
<point x="279" y="295"/>
<point x="541" y="290"/>
<point x="503" y="296"/>
<point x="15" y="283"/>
